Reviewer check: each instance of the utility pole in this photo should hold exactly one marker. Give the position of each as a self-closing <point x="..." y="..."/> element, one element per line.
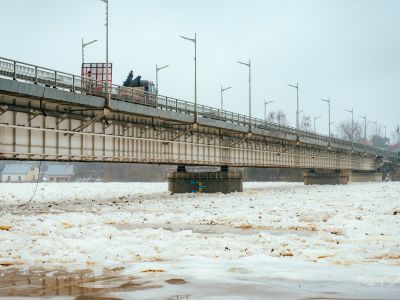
<point x="195" y="72"/>
<point x="265" y="108"/>
<point x="222" y="95"/>
<point x="329" y="116"/>
<point x="249" y="66"/>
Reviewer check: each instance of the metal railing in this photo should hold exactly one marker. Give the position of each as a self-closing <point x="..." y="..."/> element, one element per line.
<point x="78" y="84"/>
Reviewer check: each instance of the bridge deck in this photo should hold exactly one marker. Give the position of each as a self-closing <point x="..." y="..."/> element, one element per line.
<point x="65" y="117"/>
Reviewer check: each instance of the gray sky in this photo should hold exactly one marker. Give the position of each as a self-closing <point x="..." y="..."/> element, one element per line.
<point x="346" y="49"/>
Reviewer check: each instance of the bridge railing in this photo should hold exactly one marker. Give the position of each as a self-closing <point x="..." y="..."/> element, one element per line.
<point x="51" y="78"/>
<point x="74" y="83"/>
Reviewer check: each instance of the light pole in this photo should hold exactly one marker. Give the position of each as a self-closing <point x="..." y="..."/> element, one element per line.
<point x="352" y="124"/>
<point x="107" y="67"/>
<point x="297" y="104"/>
<point x="329" y="116"/>
<point x="222" y="96"/>
<point x="249" y="66"/>
<point x="365" y="127"/>
<point x="376" y="126"/>
<point x="83" y="46"/>
<point x="300" y="112"/>
<point x="265" y="108"/>
<point x="315" y="119"/>
<point x="158" y="69"/>
<point x="384" y="141"/>
<point x="195" y="73"/>
<point x="384" y="126"/>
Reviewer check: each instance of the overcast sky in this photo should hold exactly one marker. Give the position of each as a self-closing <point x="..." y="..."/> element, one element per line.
<point x="344" y="49"/>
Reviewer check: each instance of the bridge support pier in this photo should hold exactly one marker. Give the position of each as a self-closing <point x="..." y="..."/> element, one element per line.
<point x="326" y="177"/>
<point x="223" y="181"/>
<point x="365" y="177"/>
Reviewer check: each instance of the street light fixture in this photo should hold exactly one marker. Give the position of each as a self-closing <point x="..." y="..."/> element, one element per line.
<point x="329" y="113"/>
<point x="158" y="69"/>
<point x="365" y="127"/>
<point x="249" y="66"/>
<point x="265" y="108"/>
<point x="297" y="104"/>
<point x="376" y="126"/>
<point x="107" y="67"/>
<point x="195" y="72"/>
<point x="352" y="125"/>
<point x="315" y="119"/>
<point x="83" y="46"/>
<point x="384" y="126"/>
<point x="222" y="96"/>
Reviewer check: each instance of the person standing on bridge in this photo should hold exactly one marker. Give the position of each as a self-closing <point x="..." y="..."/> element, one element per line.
<point x="89" y="81"/>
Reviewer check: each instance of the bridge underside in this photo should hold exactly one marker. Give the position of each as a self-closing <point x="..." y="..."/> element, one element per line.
<point x="40" y="129"/>
<point x="42" y="123"/>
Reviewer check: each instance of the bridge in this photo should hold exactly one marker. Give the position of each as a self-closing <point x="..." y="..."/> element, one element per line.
<point x="52" y="115"/>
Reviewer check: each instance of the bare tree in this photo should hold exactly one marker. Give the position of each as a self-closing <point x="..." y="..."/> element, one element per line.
<point x="305" y="123"/>
<point x="396" y="135"/>
<point x="379" y="141"/>
<point x="271" y="117"/>
<point x="344" y="130"/>
<point x="278" y="117"/>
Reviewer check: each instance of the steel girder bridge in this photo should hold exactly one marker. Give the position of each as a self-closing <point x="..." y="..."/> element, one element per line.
<point x="51" y="115"/>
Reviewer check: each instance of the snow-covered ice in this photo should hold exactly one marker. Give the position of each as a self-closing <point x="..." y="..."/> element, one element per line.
<point x="271" y="230"/>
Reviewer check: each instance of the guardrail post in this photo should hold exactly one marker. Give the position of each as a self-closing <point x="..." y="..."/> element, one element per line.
<point x="166" y="103"/>
<point x="73" y="83"/>
<point x="15" y="70"/>
<point x="36" y="75"/>
<point x="55" y="79"/>
<point x="133" y="100"/>
<point x="176" y="105"/>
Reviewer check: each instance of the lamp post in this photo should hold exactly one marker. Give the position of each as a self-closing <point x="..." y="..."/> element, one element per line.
<point x="315" y="119"/>
<point x="329" y="116"/>
<point x="249" y="66"/>
<point x="265" y="108"/>
<point x="384" y="127"/>
<point x="352" y="124"/>
<point x="384" y="141"/>
<point x="376" y="126"/>
<point x="158" y="69"/>
<point x="222" y="95"/>
<point x="195" y="72"/>
<point x="365" y="128"/>
<point x="83" y="46"/>
<point x="107" y="67"/>
<point x="297" y="104"/>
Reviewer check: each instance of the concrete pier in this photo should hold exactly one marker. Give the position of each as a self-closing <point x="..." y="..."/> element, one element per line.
<point x="326" y="177"/>
<point x="365" y="177"/>
<point x="224" y="181"/>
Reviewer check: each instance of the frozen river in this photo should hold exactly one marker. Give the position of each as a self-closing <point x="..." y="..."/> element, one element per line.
<point x="135" y="240"/>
